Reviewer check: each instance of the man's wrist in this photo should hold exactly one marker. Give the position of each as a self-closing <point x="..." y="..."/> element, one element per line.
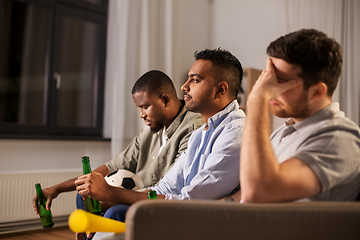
<point x="256" y="99"/>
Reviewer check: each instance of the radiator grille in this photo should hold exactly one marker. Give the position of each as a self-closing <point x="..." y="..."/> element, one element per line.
<point x="18" y="190"/>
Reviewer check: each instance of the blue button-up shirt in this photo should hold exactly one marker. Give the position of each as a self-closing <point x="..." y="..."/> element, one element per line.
<point x="208" y="169"/>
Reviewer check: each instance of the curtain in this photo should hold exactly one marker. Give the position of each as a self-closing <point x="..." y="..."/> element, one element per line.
<point x="132" y="51"/>
<point x="340" y="20"/>
<point x="145" y="35"/>
<point x="350" y="82"/>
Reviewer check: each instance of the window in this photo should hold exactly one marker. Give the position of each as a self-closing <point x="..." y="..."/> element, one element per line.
<point x="52" y="67"/>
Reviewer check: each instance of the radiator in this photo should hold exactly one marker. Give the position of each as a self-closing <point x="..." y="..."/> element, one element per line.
<point x="18" y="190"/>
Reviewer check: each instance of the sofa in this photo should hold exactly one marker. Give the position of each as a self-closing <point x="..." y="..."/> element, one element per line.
<point x="210" y="220"/>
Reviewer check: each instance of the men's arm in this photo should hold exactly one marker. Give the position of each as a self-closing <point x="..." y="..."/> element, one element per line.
<point x="262" y="178"/>
<point x="95" y="186"/>
<point x="67" y="186"/>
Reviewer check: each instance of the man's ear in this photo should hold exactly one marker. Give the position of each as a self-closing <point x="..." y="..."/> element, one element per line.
<point x="318" y="91"/>
<point x="165" y="99"/>
<point x="221" y="88"/>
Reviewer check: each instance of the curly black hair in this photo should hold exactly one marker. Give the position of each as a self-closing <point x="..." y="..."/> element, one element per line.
<point x="154" y="82"/>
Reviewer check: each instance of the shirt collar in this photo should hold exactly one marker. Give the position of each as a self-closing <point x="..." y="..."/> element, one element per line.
<point x="217" y="118"/>
<point x="323" y="114"/>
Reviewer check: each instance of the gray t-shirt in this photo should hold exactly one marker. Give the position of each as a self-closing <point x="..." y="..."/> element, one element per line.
<point x="329" y="143"/>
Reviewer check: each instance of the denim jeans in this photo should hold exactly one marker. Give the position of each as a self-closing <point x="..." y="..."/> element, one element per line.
<point x="116" y="212"/>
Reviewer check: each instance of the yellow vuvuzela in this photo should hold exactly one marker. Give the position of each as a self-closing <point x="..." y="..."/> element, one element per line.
<point x="81" y="221"/>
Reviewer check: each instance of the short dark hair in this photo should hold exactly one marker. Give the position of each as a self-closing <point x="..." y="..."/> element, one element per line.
<point x="154" y="82"/>
<point x="318" y="57"/>
<point x="229" y="65"/>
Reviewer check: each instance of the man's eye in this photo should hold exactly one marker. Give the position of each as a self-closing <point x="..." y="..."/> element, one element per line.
<point x="195" y="80"/>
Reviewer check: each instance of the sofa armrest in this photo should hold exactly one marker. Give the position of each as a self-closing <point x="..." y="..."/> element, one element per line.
<point x="179" y="220"/>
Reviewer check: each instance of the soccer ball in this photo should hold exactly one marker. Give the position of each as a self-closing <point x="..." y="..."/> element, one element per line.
<point x="126" y="179"/>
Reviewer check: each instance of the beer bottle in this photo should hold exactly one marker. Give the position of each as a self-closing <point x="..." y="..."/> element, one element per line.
<point x="91" y="205"/>
<point x="152" y="195"/>
<point x="45" y="215"/>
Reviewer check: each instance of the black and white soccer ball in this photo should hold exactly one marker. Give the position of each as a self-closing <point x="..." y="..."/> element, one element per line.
<point x="126" y="179"/>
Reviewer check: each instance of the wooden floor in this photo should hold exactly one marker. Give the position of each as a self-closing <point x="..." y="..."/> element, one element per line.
<point x="61" y="233"/>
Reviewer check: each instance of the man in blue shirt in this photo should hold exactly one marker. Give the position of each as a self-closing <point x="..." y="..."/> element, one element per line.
<point x="209" y="168"/>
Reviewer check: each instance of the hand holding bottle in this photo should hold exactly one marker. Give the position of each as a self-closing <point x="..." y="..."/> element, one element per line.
<point x="50" y="194"/>
<point x="91" y="205"/>
<point x="45" y="214"/>
<point x="92" y="185"/>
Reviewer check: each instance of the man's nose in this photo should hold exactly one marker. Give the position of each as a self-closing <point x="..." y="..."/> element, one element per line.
<point x="142" y="114"/>
<point x="185" y="87"/>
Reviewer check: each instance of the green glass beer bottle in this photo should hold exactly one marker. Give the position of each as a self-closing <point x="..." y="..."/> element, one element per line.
<point x="45" y="215"/>
<point x="152" y="195"/>
<point x="91" y="205"/>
